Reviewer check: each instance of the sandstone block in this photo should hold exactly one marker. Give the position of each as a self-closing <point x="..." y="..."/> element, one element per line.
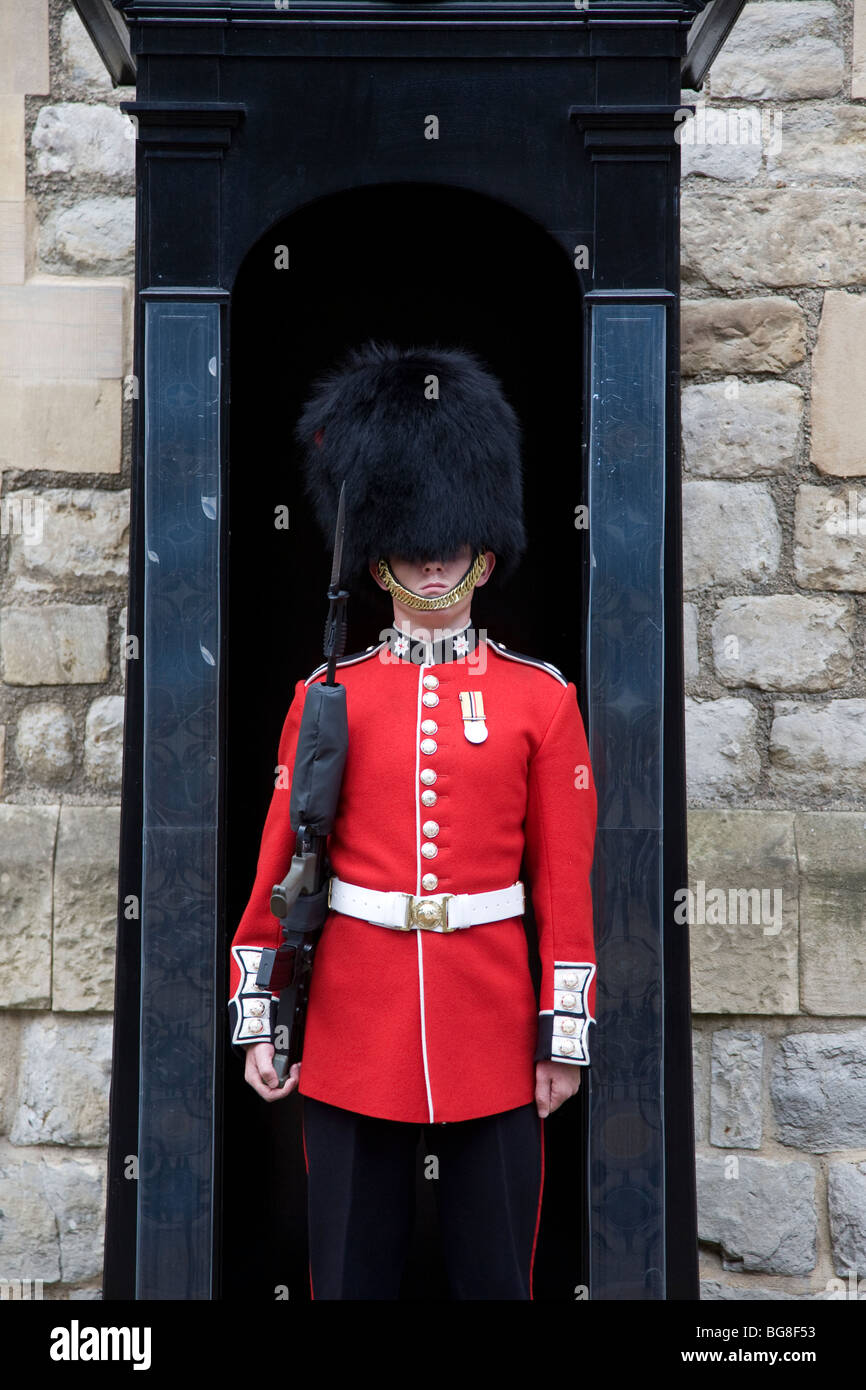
<point x="741" y="335"/>
<point x="858" y="63"/>
<point x="785" y="51"/>
<point x="57" y="644"/>
<point x="713" y="1291"/>
<point x="818" y="1090"/>
<point x="63" y="1078"/>
<point x="82" y="543"/>
<point x="27" y="835"/>
<point x="690" y="642"/>
<point x="45" y="743"/>
<point x="820" y="145"/>
<point x="775" y="237"/>
<point x="16" y="228"/>
<point x="85" y="908"/>
<point x="819" y="750"/>
<point x="731" y="534"/>
<point x="9" y="1026"/>
<point x="722" y="759"/>
<point x="762" y="1217"/>
<point x="830" y="538"/>
<point x="24" y="47"/>
<point x="71" y="329"/>
<point x="846" y="1200"/>
<point x="82" y="65"/>
<point x="12" y="149"/>
<point x="95" y="237"/>
<point x="719" y="143"/>
<point x="741" y="429"/>
<point x="103" y="742"/>
<point x="74" y="138"/>
<point x="838" y="400"/>
<point x="67" y="426"/>
<point x="832" y="912"/>
<point x="735" y="1097"/>
<point x="51" y="1215"/>
<point x="783" y="642"/>
<point x="743" y="935"/>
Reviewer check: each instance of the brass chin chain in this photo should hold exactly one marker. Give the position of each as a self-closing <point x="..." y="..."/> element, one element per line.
<point x="428" y="605"/>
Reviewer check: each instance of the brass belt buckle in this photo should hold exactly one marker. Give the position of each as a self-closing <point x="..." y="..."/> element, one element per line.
<point x="428" y="915"/>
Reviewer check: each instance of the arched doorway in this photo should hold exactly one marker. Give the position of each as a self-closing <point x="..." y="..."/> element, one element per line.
<point x="414" y="264"/>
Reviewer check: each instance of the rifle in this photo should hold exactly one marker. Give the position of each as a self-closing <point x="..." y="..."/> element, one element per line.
<point x="300" y="901"/>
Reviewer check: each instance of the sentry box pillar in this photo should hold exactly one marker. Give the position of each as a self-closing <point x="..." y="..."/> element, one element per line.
<point x="310" y="176"/>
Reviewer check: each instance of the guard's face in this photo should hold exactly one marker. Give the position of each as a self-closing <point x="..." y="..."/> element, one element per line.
<point x="431" y="577"/>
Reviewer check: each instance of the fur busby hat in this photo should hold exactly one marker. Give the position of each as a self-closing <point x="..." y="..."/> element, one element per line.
<point x="429" y="449"/>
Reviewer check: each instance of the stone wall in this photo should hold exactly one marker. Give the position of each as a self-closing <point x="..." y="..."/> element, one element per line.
<point x="774" y="490"/>
<point x="66" y="257"/>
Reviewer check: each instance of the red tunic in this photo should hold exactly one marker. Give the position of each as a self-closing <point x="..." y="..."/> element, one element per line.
<point x="416" y="1025"/>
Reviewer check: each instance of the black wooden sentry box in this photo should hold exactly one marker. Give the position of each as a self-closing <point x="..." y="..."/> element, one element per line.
<point x="309" y="176"/>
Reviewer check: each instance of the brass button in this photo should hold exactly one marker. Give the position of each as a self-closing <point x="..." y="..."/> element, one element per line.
<point x="255" y="1025"/>
<point x="569" y="1001"/>
<point x="429" y="883"/>
<point x="570" y="980"/>
<point x="429" y="798"/>
<point x="566" y="1047"/>
<point x="429" y="851"/>
<point x="568" y="1025"/>
<point x="430" y="828"/>
<point x="429" y="726"/>
<point x="428" y="776"/>
<point x="429" y="699"/>
<point x="431" y="682"/>
<point x="428" y="746"/>
<point x="257" y="1008"/>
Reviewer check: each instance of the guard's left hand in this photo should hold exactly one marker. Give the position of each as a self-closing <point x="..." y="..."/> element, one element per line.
<point x="554" y="1083"/>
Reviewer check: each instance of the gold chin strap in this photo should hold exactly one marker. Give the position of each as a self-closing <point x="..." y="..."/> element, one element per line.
<point x="427" y="605"/>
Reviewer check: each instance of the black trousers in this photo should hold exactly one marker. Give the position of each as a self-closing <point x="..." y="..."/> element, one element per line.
<point x="361" y="1175"/>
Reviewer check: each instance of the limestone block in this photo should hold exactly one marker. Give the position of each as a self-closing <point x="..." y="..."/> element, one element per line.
<point x="762" y="1216"/>
<point x="783" y="51"/>
<point x="713" y="1291"/>
<point x="27" y="835"/>
<point x="103" y="742"/>
<point x="9" y="1026"/>
<point x="16" y="235"/>
<point x="24" y="47"/>
<point x="719" y="143"/>
<point x="57" y="644"/>
<point x="67" y="426"/>
<point x="784" y="642"/>
<point x="82" y="66"/>
<point x="743" y="911"/>
<point x="741" y="429"/>
<point x="45" y="743"/>
<point x="52" y="327"/>
<point x="63" y="1078"/>
<point x="74" y="138"/>
<point x="858" y="58"/>
<point x="85" y="908"/>
<point x="84" y="542"/>
<point x="818" y="750"/>
<point x="51" y="1215"/>
<point x="721" y="755"/>
<point x="830" y="538"/>
<point x="95" y="236"/>
<point x="690" y="642"/>
<point x="2" y="755"/>
<point x="700" y="1086"/>
<point x="820" y="145"/>
<point x="818" y="1090"/>
<point x="735" y="1096"/>
<point x="731" y="534"/>
<point x="830" y="848"/>
<point x="775" y="237"/>
<point x="766" y="334"/>
<point x="12" y="150"/>
<point x="838" y="398"/>
<point x="121" y="638"/>
<point x="846" y="1200"/>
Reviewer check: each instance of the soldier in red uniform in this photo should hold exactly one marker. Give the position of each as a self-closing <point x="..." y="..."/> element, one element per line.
<point x="463" y="756"/>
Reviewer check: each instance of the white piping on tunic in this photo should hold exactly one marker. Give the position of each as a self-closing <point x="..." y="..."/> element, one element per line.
<point x="345" y="661"/>
<point x="421" y="669"/>
<point x="529" y="661"/>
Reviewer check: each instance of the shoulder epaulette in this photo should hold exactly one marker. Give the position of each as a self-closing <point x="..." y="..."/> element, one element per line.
<point x="501" y="648"/>
<point x="346" y="661"/>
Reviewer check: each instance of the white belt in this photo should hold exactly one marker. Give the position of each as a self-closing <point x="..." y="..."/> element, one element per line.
<point x="441" y="912"/>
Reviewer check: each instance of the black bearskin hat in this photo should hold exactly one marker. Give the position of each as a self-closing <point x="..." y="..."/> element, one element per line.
<point x="429" y="466"/>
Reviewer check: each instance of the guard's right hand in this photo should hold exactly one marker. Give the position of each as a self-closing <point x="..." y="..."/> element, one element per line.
<point x="259" y="1072"/>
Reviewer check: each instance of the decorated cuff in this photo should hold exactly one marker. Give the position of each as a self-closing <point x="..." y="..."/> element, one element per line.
<point x="562" y="1030"/>
<point x="249" y="1007"/>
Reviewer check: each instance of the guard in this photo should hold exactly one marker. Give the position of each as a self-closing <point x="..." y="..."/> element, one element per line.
<point x="462" y="757"/>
